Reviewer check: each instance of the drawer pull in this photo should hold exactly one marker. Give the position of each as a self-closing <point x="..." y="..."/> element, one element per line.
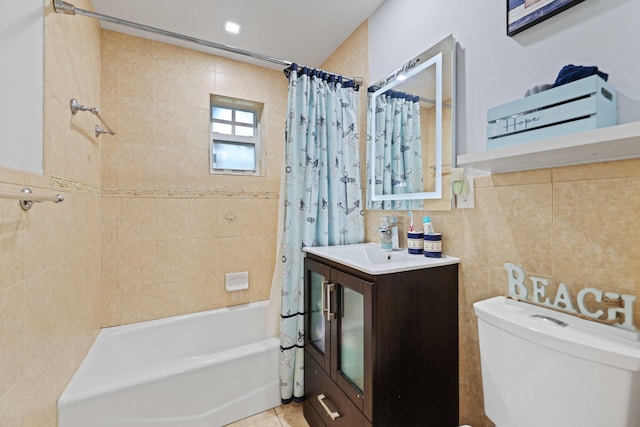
<point x="333" y="415"/>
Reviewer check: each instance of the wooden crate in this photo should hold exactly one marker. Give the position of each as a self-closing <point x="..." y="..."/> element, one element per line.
<point x="585" y="104"/>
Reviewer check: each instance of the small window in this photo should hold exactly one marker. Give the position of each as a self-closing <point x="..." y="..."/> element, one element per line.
<point x="235" y="136"/>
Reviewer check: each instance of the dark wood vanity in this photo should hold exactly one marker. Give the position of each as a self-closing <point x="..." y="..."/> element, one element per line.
<point x="380" y="350"/>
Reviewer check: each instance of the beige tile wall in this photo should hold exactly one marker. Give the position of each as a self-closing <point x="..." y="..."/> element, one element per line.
<point x="170" y="230"/>
<point x="50" y="262"/>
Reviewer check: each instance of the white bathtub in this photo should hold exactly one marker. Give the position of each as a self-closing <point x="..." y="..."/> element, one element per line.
<point x="204" y="369"/>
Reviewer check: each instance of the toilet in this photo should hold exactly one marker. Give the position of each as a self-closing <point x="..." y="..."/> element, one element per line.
<point x="544" y="368"/>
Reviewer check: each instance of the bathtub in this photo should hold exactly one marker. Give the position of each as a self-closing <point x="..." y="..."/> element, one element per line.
<point x="204" y="369"/>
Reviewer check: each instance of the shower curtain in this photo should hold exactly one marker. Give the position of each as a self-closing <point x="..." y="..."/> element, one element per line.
<point x="321" y="197"/>
<point x="398" y="150"/>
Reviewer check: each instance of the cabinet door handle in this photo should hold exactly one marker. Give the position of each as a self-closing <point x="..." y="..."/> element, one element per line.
<point x="324" y="298"/>
<point x="330" y="314"/>
<point x="333" y="415"/>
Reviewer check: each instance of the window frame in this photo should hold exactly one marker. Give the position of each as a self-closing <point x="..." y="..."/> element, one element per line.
<point x="236" y="105"/>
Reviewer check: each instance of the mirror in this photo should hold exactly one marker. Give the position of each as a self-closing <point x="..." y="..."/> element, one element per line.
<point x="410" y="133"/>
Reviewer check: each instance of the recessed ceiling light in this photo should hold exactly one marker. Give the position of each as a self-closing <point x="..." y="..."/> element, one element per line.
<point x="231" y="27"/>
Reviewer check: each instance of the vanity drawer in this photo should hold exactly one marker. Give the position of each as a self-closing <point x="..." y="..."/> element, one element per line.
<point x="317" y="383"/>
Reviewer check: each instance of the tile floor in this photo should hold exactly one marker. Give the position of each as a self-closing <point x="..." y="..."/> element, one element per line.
<point x="283" y="416"/>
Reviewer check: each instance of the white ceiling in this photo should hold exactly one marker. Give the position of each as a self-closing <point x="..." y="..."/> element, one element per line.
<point x="303" y="31"/>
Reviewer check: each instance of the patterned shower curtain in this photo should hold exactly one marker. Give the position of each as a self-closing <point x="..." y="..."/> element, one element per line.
<point x="322" y="197"/>
<point x="398" y="150"/>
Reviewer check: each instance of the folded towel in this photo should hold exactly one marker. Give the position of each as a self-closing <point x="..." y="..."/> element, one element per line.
<point x="570" y="73"/>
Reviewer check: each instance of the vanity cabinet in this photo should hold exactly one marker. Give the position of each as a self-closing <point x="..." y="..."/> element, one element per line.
<point x="380" y="350"/>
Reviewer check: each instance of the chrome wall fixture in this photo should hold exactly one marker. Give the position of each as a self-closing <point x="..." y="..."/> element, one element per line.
<point x="27" y="198"/>
<point x="76" y="106"/>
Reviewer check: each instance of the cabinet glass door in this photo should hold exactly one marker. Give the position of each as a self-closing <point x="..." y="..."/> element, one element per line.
<point x="317" y="327"/>
<point x="352" y="337"/>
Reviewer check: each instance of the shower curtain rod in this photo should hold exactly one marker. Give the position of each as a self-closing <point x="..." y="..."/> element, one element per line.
<point x="67" y="8"/>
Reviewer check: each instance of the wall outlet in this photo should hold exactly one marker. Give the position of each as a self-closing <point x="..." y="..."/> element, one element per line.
<point x="467" y="200"/>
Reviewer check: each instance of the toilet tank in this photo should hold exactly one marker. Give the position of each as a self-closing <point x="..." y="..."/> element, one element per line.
<point x="543" y="368"/>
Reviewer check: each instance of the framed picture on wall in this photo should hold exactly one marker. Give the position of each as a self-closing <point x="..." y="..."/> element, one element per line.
<point x="522" y="14"/>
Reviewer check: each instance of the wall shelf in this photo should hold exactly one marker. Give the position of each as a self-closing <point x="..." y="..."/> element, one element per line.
<point x="599" y="145"/>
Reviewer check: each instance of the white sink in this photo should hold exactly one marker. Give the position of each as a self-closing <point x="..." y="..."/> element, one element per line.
<point x="369" y="258"/>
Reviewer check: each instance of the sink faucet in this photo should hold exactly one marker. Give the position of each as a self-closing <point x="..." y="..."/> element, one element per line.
<point x="389" y="233"/>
